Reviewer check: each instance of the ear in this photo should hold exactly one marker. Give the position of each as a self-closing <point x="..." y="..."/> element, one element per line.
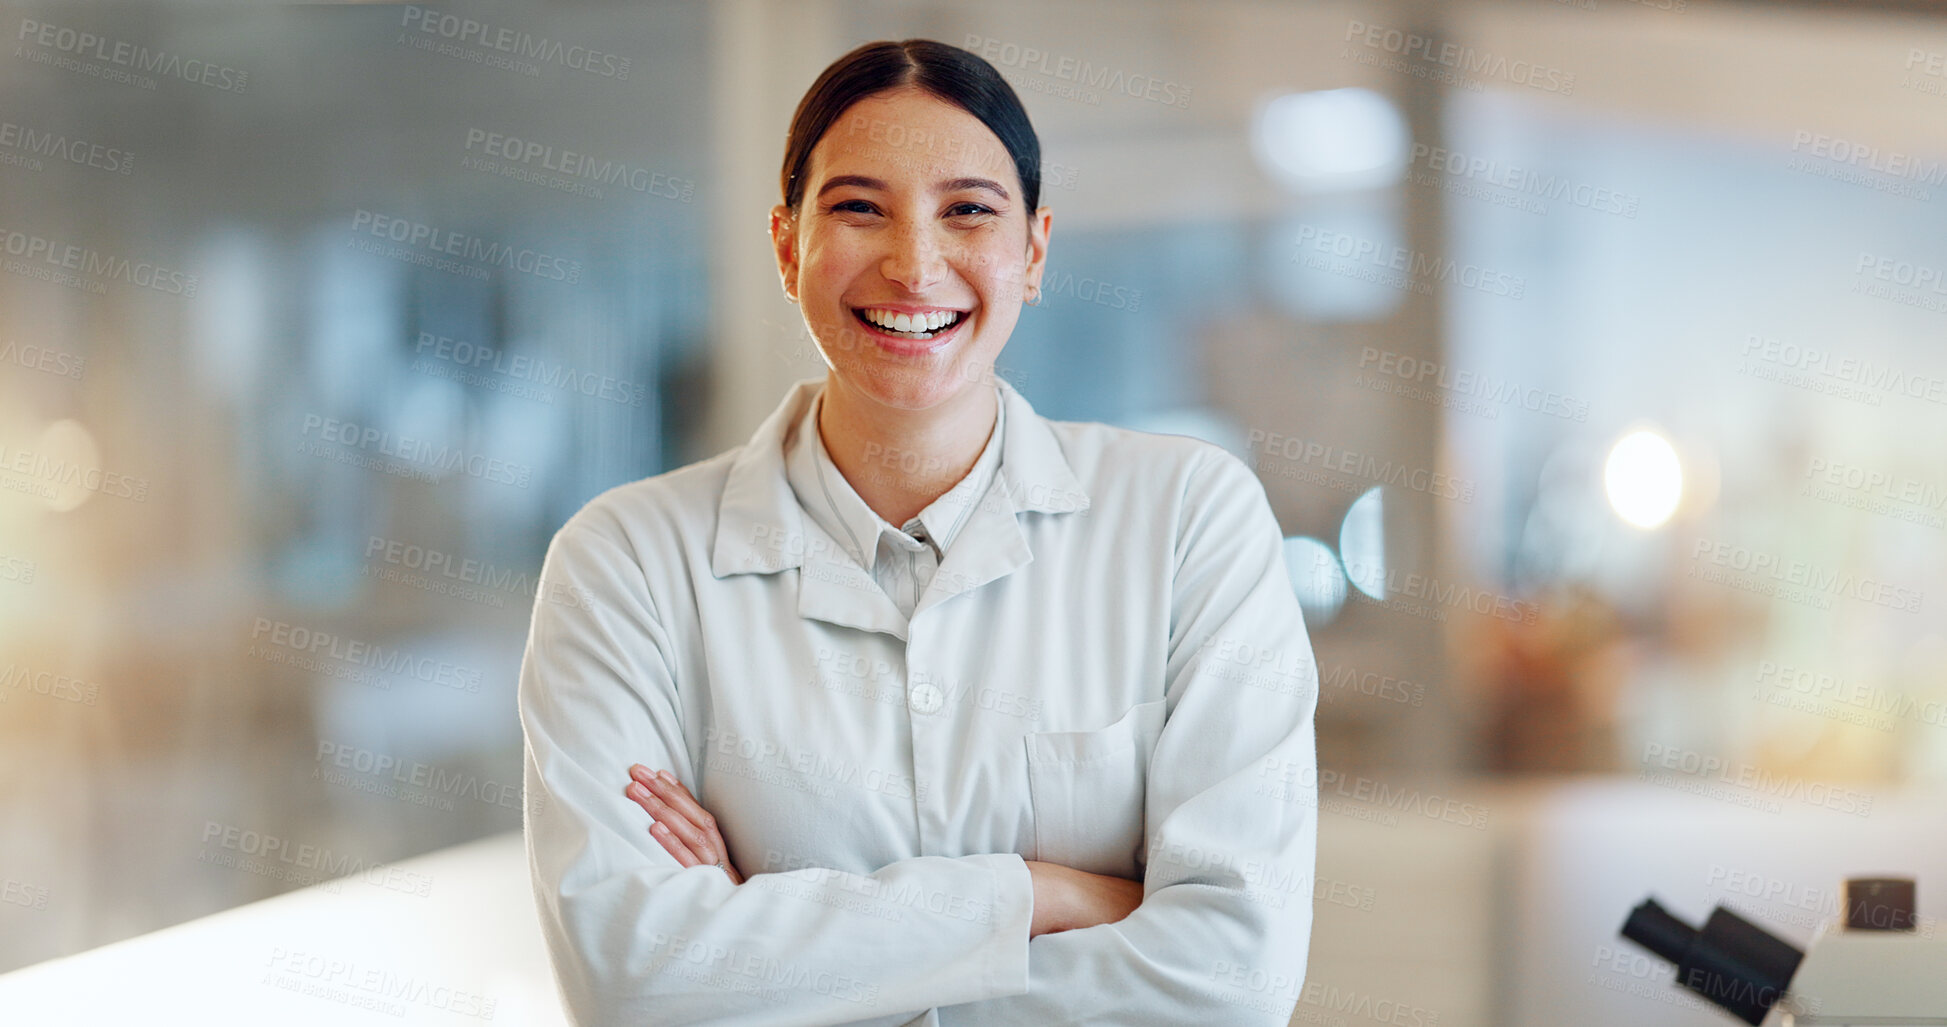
<point x="1039" y="227"/>
<point x="784" y="240"/>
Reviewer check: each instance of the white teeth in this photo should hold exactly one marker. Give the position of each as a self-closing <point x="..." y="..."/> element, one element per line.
<point x="910" y="323"/>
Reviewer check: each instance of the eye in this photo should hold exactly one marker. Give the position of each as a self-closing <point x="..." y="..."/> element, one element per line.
<point x="851" y="206"/>
<point x="962" y="209"/>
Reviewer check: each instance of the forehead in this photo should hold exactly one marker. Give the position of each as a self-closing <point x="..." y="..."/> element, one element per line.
<point x="909" y="133"/>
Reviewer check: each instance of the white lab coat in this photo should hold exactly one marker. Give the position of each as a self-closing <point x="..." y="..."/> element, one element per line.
<point x="1109" y="670"/>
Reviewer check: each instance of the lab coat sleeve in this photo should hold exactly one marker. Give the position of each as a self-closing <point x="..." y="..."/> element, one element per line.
<point x="1230" y="810"/>
<point x="636" y="938"/>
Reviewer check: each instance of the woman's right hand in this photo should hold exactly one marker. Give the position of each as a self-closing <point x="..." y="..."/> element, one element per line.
<point x="1066" y="898"/>
<point x="686" y="830"/>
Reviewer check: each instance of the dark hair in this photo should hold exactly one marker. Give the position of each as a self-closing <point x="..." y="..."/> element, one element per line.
<point x="960" y="77"/>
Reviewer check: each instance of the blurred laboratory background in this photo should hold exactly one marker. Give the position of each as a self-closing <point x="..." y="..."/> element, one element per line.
<point x="1589" y="352"/>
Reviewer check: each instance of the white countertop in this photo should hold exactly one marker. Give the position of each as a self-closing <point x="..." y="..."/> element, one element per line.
<point x="1513" y="923"/>
<point x="445" y="938"/>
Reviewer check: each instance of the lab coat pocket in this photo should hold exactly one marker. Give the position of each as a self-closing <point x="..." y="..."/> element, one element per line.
<point x="1087" y="790"/>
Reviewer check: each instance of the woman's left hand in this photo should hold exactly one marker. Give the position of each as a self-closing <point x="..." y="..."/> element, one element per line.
<point x="682" y="825"/>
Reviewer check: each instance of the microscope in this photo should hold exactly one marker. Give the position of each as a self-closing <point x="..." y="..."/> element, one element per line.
<point x="1874" y="966"/>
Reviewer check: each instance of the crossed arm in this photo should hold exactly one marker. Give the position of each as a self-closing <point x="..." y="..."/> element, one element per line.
<point x="1065" y="898"/>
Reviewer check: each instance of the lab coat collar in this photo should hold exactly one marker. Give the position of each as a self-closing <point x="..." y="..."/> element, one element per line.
<point x="761" y="528"/>
<point x="1034" y="475"/>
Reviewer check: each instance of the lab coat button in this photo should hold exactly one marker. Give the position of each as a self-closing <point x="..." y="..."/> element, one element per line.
<point x="925" y="697"/>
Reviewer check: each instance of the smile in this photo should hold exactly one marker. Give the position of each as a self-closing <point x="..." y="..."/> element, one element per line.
<point x="910" y="327"/>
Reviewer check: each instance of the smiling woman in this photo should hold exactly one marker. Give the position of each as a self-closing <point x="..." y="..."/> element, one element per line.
<point x="998" y="763"/>
<point x="909" y="233"/>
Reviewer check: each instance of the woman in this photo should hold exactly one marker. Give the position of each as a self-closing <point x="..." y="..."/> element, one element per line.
<point x="790" y="764"/>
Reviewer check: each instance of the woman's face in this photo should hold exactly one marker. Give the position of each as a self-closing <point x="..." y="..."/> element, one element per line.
<point x="911" y="207"/>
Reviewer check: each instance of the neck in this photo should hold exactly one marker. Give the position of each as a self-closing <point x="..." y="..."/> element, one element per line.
<point x="900" y="461"/>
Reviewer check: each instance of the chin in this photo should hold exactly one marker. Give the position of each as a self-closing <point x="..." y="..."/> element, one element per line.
<point x="906" y="388"/>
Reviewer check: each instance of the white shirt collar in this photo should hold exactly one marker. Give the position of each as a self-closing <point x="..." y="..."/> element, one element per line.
<point x="761" y="526"/>
<point x="830" y="500"/>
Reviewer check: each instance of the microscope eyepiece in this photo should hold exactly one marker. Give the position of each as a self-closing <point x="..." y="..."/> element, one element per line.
<point x="1655" y="929"/>
<point x="1731" y="961"/>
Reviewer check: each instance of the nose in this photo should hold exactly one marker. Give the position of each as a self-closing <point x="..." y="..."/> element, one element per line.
<point x="916" y="260"/>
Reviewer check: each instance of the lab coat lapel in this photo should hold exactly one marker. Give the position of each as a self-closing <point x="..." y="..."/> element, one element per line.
<point x="760" y="526"/>
<point x="833" y="588"/>
<point x="761" y="529"/>
<point x="1034" y="478"/>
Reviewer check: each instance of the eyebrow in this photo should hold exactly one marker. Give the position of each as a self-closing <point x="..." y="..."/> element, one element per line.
<point x="949" y="186"/>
